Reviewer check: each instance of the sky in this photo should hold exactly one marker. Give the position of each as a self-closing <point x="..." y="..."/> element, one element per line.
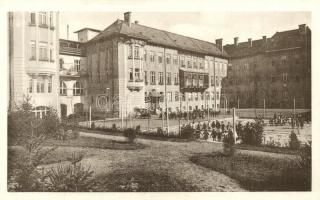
<point x="206" y="26"/>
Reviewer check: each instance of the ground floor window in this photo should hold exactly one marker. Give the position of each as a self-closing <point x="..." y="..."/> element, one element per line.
<point x="40" y="111"/>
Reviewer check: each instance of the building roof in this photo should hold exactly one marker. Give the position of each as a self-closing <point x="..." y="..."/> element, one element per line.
<point x="90" y="29"/>
<point x="279" y="41"/>
<point x="160" y="37"/>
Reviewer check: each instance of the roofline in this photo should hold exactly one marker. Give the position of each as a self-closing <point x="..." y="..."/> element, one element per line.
<point x="91" y="29"/>
<point x="61" y="39"/>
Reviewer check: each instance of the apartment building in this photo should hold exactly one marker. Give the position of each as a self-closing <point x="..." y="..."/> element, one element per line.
<point x="33" y="60"/>
<point x="275" y="71"/>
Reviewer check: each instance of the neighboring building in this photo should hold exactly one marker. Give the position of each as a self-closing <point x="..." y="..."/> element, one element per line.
<point x="135" y="64"/>
<point x="33" y="59"/>
<point x="273" y="70"/>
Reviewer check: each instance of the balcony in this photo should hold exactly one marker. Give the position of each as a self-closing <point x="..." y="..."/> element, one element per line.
<point x="71" y="51"/>
<point x="136" y="85"/>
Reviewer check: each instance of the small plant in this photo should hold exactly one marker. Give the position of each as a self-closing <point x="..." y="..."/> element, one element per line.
<point x="130" y="134"/>
<point x="138" y="129"/>
<point x="228" y="143"/>
<point x="114" y="127"/>
<point x="71" y="178"/>
<point x="294" y="142"/>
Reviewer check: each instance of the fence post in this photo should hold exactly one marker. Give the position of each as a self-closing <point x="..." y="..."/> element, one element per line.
<point x="90" y="117"/>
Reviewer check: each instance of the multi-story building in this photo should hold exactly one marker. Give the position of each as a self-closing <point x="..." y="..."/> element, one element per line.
<point x="134" y="66"/>
<point x="33" y="59"/>
<point x="273" y="71"/>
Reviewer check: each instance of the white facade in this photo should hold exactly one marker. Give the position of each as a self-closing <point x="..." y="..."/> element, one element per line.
<point x="34" y="49"/>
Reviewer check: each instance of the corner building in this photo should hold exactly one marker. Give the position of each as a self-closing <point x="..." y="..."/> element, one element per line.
<point x="33" y="60"/>
<point x="133" y="66"/>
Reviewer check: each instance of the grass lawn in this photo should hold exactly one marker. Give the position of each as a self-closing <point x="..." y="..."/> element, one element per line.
<point x="258" y="173"/>
<point x="97" y="143"/>
<point x="264" y="148"/>
<point x="141" y="181"/>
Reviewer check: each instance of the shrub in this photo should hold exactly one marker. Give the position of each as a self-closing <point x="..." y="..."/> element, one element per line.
<point x="294" y="142"/>
<point x="253" y="132"/>
<point x="160" y="132"/>
<point x="93" y="125"/>
<point x="114" y="127"/>
<point x="205" y="134"/>
<point x="138" y="129"/>
<point x="71" y="178"/>
<point x="204" y="126"/>
<point x="228" y="143"/>
<point x="130" y="134"/>
<point x="187" y="132"/>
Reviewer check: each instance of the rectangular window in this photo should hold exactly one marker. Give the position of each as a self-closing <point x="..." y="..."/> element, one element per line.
<point x="160" y="58"/>
<point x="168" y="58"/>
<point x="201" y="80"/>
<point x="212" y="81"/>
<point x="51" y="19"/>
<point x="189" y="63"/>
<point x="160" y="78"/>
<point x="33" y="50"/>
<point x="152" y="78"/>
<point x="40" y="85"/>
<point x="168" y="78"/>
<point x="284" y="77"/>
<point x="50" y="84"/>
<point x="151" y="56"/>
<point x="136" y="52"/>
<point x="196" y="96"/>
<point x="43" y="52"/>
<point x="130" y="74"/>
<point x="182" y="63"/>
<point x="161" y="97"/>
<point x="283" y="60"/>
<point x="51" y="55"/>
<point x="137" y="74"/>
<point x="176" y="96"/>
<point x="175" y="60"/>
<point x="42" y="18"/>
<point x="130" y="51"/>
<point x="77" y="65"/>
<point x="195" y="64"/>
<point x="33" y="18"/>
<point x="30" y="85"/>
<point x="176" y="79"/>
<point x="169" y="96"/>
<point x="146" y="77"/>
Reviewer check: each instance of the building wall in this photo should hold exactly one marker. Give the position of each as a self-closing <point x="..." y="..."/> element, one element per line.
<point x="25" y="67"/>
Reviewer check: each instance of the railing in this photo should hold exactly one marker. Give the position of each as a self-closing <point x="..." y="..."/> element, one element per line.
<point x="72" y="51"/>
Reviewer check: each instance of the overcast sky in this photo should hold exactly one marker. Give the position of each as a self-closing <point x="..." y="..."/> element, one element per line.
<point x="206" y="26"/>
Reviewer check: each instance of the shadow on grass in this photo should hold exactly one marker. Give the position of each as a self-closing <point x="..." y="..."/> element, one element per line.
<point x="142" y="181"/>
<point x="98" y="143"/>
<point x="258" y="173"/>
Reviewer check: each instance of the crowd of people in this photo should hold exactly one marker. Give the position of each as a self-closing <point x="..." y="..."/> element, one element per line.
<point x="295" y="120"/>
<point x="193" y="115"/>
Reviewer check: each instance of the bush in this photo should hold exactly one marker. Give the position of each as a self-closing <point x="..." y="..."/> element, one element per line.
<point x="252" y="132"/>
<point x="294" y="142"/>
<point x="187" y="132"/>
<point x="228" y="143"/>
<point x="114" y="127"/>
<point x="130" y="134"/>
<point x="71" y="178"/>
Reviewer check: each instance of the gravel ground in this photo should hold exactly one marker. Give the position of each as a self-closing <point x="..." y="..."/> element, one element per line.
<point x="171" y="158"/>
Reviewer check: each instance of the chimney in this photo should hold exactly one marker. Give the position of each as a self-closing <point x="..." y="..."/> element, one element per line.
<point x="67" y="31"/>
<point x="127" y="18"/>
<point x="302" y="29"/>
<point x="136" y="22"/>
<point x="250" y="42"/>
<point x="235" y="41"/>
<point x="264" y="39"/>
<point x="219" y="44"/>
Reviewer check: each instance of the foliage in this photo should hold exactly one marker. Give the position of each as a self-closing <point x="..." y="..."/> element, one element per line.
<point x="187" y="132"/>
<point x="114" y="127"/>
<point x="294" y="142"/>
<point x="71" y="178"/>
<point x="252" y="132"/>
<point x="130" y="134"/>
<point x="228" y="144"/>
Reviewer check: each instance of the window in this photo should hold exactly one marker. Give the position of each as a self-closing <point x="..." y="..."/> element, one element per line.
<point x="201" y="80"/>
<point x="194" y="80"/>
<point x="284" y="77"/>
<point x="195" y="65"/>
<point x="160" y="78"/>
<point x="168" y="58"/>
<point x="161" y="97"/>
<point x="182" y="61"/>
<point x="136" y="52"/>
<point x="51" y="19"/>
<point x="200" y="65"/>
<point x="61" y="62"/>
<point x="63" y="88"/>
<point x="77" y="89"/>
<point x="202" y="96"/>
<point x="145" y="77"/>
<point x="130" y="51"/>
<point x="212" y="96"/>
<point x="145" y="56"/>
<point x="51" y="55"/>
<point x="176" y="96"/>
<point x="175" y="60"/>
<point x="40" y="85"/>
<point x="169" y="96"/>
<point x="189" y="63"/>
<point x="42" y="18"/>
<point x="151" y="56"/>
<point x="30" y="85"/>
<point x="283" y="60"/>
<point x="50" y="84"/>
<point x="168" y="78"/>
<point x="77" y="65"/>
<point x="130" y="74"/>
<point x="160" y="58"/>
<point x="40" y="111"/>
<point x="196" y="95"/>
<point x="152" y="78"/>
<point x="176" y="79"/>
<point x="43" y="52"/>
<point x="285" y="94"/>
<point x="33" y="50"/>
<point x="33" y="18"/>
<point x="212" y="81"/>
<point x="137" y="74"/>
<point x="273" y="78"/>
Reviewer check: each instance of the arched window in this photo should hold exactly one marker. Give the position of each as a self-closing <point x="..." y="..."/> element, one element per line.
<point x="77" y="89"/>
<point x="63" y="88"/>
